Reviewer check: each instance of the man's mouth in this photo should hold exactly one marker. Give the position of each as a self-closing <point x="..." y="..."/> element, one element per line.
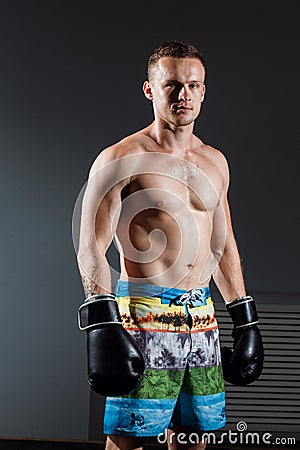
<point x="182" y="108"/>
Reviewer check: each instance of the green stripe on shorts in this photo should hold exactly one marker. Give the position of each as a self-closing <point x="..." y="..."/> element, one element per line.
<point x="160" y="383"/>
<point x="167" y="383"/>
<point x="203" y="380"/>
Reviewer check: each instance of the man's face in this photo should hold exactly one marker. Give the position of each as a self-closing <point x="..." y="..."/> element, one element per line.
<point x="176" y="89"/>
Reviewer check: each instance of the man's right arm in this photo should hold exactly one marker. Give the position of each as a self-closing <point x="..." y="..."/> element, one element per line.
<point x="115" y="363"/>
<point x="101" y="208"/>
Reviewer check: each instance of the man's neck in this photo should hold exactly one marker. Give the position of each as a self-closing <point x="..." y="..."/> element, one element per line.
<point x="176" y="139"/>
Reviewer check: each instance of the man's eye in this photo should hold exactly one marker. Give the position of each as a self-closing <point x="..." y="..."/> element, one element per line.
<point x="194" y="85"/>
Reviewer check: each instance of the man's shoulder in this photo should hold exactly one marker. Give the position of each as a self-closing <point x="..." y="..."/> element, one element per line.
<point x="217" y="162"/>
<point x="215" y="155"/>
<point x="127" y="146"/>
<point x="117" y="152"/>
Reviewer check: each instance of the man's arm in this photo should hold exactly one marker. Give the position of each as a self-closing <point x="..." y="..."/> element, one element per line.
<point x="244" y="363"/>
<point x="228" y="275"/>
<point x="100" y="212"/>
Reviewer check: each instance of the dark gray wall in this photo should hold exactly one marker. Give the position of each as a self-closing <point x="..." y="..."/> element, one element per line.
<point x="70" y="79"/>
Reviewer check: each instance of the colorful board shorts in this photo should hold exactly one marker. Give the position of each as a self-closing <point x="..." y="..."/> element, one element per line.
<point x="183" y="384"/>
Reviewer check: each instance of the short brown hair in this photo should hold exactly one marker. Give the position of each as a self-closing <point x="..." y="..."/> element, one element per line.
<point x="174" y="49"/>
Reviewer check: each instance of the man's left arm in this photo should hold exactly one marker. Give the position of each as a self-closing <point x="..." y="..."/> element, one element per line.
<point x="244" y="363"/>
<point x="228" y="275"/>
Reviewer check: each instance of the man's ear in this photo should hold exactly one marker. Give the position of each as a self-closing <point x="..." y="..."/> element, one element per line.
<point x="147" y="88"/>
<point x="203" y="92"/>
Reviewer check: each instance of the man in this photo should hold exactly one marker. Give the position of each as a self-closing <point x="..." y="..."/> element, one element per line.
<point x="161" y="193"/>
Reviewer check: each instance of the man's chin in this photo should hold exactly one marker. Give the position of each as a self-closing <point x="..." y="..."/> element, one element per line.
<point x="183" y="121"/>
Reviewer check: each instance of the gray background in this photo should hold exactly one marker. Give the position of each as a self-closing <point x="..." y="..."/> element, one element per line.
<point x="71" y="74"/>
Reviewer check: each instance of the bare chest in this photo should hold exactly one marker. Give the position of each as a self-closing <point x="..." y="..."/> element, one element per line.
<point x="173" y="184"/>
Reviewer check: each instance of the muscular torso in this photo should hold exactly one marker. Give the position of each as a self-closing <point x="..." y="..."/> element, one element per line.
<point x="165" y="226"/>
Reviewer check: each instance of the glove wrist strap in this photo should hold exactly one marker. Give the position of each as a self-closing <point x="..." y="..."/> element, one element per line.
<point x="98" y="310"/>
<point x="243" y="312"/>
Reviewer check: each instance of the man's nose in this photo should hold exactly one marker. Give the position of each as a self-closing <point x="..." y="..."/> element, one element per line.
<point x="184" y="94"/>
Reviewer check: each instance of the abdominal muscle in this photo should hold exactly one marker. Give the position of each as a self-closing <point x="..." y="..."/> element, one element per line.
<point x="166" y="250"/>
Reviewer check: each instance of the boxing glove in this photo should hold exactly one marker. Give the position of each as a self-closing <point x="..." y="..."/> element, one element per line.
<point x="115" y="362"/>
<point x="244" y="363"/>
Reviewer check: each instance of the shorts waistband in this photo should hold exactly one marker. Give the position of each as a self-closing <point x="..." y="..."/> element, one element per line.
<point x="181" y="297"/>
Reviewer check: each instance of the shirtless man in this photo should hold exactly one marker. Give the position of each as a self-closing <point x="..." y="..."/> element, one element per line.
<point x="161" y="193"/>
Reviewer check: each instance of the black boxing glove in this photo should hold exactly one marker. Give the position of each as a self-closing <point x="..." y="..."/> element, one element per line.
<point x="244" y="363"/>
<point x="115" y="362"/>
